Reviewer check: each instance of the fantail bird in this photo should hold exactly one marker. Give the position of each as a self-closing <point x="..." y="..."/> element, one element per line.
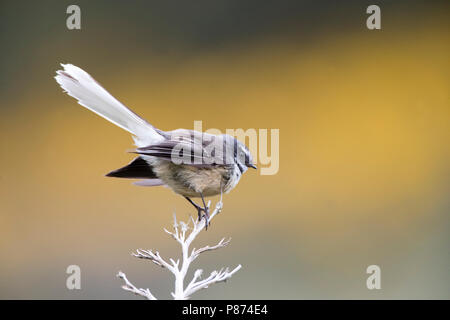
<point x="191" y="163"/>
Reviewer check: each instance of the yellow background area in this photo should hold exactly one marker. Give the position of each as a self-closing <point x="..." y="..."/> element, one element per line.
<point x="363" y="179"/>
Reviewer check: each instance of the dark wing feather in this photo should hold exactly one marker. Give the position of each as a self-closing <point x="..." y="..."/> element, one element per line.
<point x="136" y="169"/>
<point x="170" y="150"/>
<point x="193" y="148"/>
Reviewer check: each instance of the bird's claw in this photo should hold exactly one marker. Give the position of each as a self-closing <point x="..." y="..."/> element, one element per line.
<point x="203" y="216"/>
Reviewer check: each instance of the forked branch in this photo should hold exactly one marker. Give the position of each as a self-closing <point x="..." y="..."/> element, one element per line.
<point x="184" y="233"/>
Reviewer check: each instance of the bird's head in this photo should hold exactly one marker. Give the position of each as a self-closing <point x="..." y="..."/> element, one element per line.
<point x="243" y="157"/>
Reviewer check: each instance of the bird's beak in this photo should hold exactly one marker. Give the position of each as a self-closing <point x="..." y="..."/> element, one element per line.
<point x="252" y="166"/>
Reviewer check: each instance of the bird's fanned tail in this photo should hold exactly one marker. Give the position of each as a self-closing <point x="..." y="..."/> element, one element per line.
<point x="91" y="95"/>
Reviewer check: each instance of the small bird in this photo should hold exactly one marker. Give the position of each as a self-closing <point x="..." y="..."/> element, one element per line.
<point x="191" y="163"/>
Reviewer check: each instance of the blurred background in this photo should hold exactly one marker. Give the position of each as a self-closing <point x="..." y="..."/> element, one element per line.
<point x="364" y="145"/>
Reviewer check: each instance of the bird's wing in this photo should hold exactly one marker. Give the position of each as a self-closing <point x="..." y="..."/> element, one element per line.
<point x="175" y="151"/>
<point x="193" y="148"/>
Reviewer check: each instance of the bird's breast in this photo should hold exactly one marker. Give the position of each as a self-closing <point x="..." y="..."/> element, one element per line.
<point x="190" y="181"/>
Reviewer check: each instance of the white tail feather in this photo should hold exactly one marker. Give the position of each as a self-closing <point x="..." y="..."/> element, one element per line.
<point x="91" y="95"/>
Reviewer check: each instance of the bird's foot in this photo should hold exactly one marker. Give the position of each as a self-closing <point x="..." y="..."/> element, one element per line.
<point x="206" y="216"/>
<point x="200" y="209"/>
<point x="203" y="213"/>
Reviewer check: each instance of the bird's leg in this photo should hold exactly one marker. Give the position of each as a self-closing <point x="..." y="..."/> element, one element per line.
<point x="196" y="206"/>
<point x="206" y="210"/>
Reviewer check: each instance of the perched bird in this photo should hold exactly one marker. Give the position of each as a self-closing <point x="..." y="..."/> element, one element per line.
<point x="191" y="163"/>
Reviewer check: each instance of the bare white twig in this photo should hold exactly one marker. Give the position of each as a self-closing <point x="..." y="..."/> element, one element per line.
<point x="182" y="235"/>
<point x="195" y="253"/>
<point x="153" y="257"/>
<point x="214" y="277"/>
<point x="128" y="286"/>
